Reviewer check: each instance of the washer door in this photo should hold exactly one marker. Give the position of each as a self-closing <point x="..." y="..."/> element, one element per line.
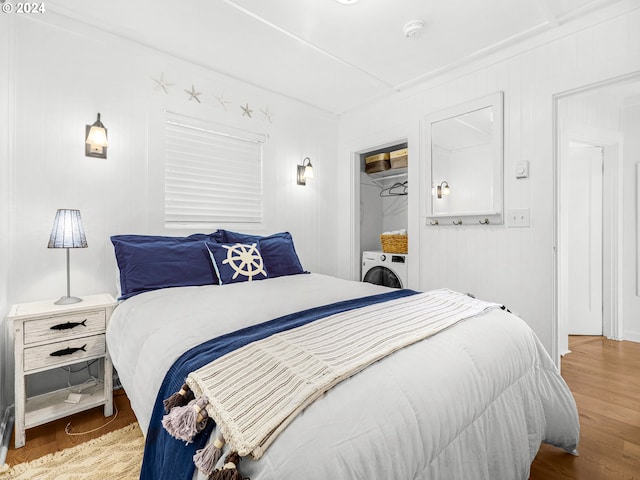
<point x="380" y="275"/>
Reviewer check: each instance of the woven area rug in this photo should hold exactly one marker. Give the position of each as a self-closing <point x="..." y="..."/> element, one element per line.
<point x="115" y="455"/>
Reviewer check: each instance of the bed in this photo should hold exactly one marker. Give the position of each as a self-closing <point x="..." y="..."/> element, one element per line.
<point x="474" y="401"/>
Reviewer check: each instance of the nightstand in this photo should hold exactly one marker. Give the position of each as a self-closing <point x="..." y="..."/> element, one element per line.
<point x="48" y="336"/>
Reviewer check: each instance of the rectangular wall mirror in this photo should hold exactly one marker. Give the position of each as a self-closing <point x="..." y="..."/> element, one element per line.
<point x="466" y="163"/>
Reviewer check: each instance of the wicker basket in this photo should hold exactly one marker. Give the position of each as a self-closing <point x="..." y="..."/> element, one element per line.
<point x="377" y="163"/>
<point x="399" y="158"/>
<point x="394" y="243"/>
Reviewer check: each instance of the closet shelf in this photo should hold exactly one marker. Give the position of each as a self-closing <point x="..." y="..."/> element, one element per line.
<point x="384" y="178"/>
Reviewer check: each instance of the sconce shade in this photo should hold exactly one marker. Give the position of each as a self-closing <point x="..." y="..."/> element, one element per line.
<point x="96" y="140"/>
<point x="308" y="171"/>
<point x="67" y="231"/>
<point x="305" y="171"/>
<point x="97" y="136"/>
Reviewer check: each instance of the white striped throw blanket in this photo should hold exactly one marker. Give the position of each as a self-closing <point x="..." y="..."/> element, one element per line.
<point x="254" y="392"/>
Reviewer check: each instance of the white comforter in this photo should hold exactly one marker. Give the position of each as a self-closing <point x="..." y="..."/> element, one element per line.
<point x="473" y="402"/>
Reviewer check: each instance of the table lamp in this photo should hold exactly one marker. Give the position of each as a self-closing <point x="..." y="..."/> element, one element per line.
<point x="67" y="232"/>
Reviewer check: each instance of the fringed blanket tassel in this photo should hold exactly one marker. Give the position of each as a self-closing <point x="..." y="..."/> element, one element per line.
<point x="178" y="399"/>
<point x="185" y="422"/>
<point x="229" y="470"/>
<point x="207" y="458"/>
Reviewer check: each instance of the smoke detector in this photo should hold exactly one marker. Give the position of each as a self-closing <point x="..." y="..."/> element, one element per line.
<point x="413" y="28"/>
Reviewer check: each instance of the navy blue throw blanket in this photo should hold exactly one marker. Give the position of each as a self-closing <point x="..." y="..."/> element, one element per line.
<point x="168" y="458"/>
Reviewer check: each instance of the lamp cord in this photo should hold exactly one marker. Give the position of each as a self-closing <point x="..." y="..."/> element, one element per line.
<point x="68" y="431"/>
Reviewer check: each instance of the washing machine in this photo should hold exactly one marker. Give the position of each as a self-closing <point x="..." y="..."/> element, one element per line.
<point x="388" y="269"/>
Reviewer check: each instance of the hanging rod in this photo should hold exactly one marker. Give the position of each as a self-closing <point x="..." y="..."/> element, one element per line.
<point x="388" y="192"/>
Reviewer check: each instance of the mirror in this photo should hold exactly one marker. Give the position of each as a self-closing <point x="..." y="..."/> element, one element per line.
<point x="465" y="143"/>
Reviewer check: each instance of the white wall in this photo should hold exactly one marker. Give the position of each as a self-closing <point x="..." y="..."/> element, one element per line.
<point x="62" y="74"/>
<point x="5" y="351"/>
<point x="394" y="213"/>
<point x="371" y="214"/>
<point x="514" y="266"/>
<point x="631" y="222"/>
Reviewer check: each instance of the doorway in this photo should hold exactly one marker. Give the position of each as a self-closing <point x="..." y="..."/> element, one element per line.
<point x="595" y="216"/>
<point x="589" y="224"/>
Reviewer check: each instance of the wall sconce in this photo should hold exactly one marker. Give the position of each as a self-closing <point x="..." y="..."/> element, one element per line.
<point x="305" y="171"/>
<point x="443" y="188"/>
<point x="96" y="140"/>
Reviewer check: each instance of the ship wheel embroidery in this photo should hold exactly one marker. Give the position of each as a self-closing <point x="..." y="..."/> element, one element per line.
<point x="245" y="260"/>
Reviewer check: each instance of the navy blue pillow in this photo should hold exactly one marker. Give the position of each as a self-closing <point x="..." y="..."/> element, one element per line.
<point x="239" y="262"/>
<point x="278" y="251"/>
<point x="148" y="262"/>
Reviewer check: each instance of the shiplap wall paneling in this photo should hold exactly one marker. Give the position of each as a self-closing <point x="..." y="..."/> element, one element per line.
<point x="514" y="266"/>
<point x="124" y="193"/>
<point x="631" y="274"/>
<point x="6" y="144"/>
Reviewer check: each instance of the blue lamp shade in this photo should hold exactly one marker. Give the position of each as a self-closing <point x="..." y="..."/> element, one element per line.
<point x="67" y="232"/>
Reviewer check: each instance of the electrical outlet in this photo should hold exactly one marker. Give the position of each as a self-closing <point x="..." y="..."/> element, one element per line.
<point x="519" y="217"/>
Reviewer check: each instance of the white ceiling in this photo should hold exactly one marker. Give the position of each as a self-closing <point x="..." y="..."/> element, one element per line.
<point x="333" y="56"/>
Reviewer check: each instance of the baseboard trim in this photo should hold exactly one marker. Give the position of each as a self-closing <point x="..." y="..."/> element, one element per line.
<point x="6" y="428"/>
<point x="631" y="336"/>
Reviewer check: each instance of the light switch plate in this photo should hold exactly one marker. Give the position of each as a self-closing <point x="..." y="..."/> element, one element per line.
<point x="522" y="169"/>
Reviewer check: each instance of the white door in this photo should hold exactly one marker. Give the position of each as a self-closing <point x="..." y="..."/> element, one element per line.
<point x="583" y="182"/>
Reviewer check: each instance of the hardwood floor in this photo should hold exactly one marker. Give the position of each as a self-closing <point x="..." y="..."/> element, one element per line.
<point x="51" y="437"/>
<point x="604" y="376"/>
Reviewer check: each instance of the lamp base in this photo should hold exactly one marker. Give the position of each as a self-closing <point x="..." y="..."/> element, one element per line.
<point x="67" y="300"/>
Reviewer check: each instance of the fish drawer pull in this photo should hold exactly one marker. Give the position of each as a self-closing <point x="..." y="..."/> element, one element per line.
<point x="68" y="351"/>
<point x="69" y="325"/>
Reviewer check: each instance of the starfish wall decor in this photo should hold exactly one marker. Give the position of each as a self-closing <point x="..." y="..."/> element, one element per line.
<point x="221" y="100"/>
<point x="268" y="116"/>
<point x="246" y="110"/>
<point x="193" y="94"/>
<point x="163" y="84"/>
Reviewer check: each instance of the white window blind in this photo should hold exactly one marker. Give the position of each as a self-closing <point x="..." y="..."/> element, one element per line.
<point x="212" y="176"/>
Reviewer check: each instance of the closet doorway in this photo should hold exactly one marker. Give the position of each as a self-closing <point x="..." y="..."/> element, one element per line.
<point x="380" y="201"/>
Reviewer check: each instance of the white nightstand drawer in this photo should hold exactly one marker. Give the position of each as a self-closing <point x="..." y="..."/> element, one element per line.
<point x="64" y="353"/>
<point x="59" y="327"/>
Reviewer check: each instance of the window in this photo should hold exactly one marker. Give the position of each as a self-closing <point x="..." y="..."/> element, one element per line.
<point x="213" y="175"/>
